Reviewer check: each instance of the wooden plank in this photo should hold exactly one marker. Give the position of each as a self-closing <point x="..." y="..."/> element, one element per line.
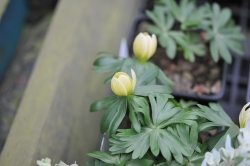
<point x="53" y="119"/>
<point x="3" y="6"/>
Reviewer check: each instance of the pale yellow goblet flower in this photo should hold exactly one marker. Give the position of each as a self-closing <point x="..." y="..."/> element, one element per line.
<point x="122" y="84"/>
<point x="144" y="46"/>
<point x="244" y="115"/>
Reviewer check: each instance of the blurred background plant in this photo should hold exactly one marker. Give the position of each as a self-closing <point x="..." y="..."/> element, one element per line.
<point x="192" y="28"/>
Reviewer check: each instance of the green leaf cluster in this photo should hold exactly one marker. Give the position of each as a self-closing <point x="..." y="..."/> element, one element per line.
<point x="180" y="27"/>
<point x="150" y="80"/>
<point x="166" y="132"/>
<point x="162" y="131"/>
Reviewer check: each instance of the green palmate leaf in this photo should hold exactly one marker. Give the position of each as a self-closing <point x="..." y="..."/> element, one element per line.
<point x="224" y="52"/>
<point x="188" y="55"/>
<point x="218" y="140"/>
<point x="143" y="107"/>
<point x="224" y="35"/>
<point x="104" y="61"/>
<point x="171" y="47"/>
<point x="224" y="17"/>
<point x="162" y="40"/>
<point x="216" y="10"/>
<point x="162" y="108"/>
<point x="107" y="158"/>
<point x="146" y="72"/>
<point x="190" y="16"/>
<point x="169" y="22"/>
<point x="163" y="79"/>
<point x="156" y="135"/>
<point x="153" y="29"/>
<point x="164" y="23"/>
<point x="192" y="47"/>
<point x="207" y="126"/>
<point x="235" y="46"/>
<point x="154" y="18"/>
<point x="114" y="115"/>
<point x="195" y="159"/>
<point x="128" y="65"/>
<point x="139" y="162"/>
<point x="151" y="89"/>
<point x="107" y="68"/>
<point x="134" y="120"/>
<point x="95" y="163"/>
<point x="176" y="11"/>
<point x="133" y="116"/>
<point x="187" y="104"/>
<point x="179" y="37"/>
<point x="216" y="115"/>
<point x="107" y="53"/>
<point x="184" y="117"/>
<point x="146" y="76"/>
<point x="106" y="64"/>
<point x="191" y="131"/>
<point x="214" y="51"/>
<point x="159" y="12"/>
<point x="140" y="104"/>
<point x="165" y="140"/>
<point x="103" y="104"/>
<point x="218" y="107"/>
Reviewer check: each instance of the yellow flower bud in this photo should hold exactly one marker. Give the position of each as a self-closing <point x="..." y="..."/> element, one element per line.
<point x="144" y="46"/>
<point x="244" y="115"/>
<point x="122" y="84"/>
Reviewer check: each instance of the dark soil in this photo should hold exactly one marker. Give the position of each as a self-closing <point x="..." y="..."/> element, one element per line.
<point x="203" y="76"/>
<point x="200" y="77"/>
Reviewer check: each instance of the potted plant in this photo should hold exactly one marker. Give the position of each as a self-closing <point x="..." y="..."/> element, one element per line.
<point x="161" y="130"/>
<point x="195" y="45"/>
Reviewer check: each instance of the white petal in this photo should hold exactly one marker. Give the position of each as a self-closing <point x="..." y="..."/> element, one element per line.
<point x="140" y="46"/>
<point x="152" y="46"/>
<point x="134" y="80"/>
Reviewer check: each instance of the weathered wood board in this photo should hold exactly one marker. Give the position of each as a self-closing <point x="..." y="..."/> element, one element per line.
<point x="53" y="119"/>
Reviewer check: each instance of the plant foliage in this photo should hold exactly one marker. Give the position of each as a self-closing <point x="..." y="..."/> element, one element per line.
<point x="163" y="131"/>
<point x="181" y="26"/>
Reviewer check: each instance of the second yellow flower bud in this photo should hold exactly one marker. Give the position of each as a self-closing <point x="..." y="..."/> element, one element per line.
<point x="244" y="115"/>
<point x="144" y="46"/>
<point x="122" y="84"/>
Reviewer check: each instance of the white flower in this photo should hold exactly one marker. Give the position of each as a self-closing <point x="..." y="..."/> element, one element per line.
<point x="63" y="164"/>
<point x="244" y="141"/>
<point x="213" y="159"/>
<point x="228" y="152"/>
<point x="244" y="115"/>
<point x="74" y="164"/>
<point x="44" y="162"/>
<point x="246" y="131"/>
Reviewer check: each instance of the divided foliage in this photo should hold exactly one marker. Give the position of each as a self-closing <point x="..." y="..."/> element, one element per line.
<point x="164" y="131"/>
<point x="163" y="127"/>
<point x="182" y="27"/>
